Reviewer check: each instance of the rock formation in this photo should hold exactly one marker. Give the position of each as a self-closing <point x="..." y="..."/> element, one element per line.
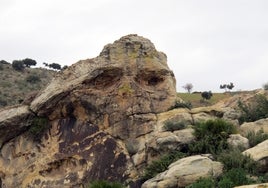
<point x="105" y="118"/>
<point x="185" y="171"/>
<point x="97" y="115"/>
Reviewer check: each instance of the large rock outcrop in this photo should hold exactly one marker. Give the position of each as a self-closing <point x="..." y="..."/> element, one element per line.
<point x="98" y="114"/>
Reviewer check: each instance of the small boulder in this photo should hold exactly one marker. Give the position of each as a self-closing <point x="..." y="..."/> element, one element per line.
<point x="259" y="153"/>
<point x="236" y="140"/>
<point x="185" y="171"/>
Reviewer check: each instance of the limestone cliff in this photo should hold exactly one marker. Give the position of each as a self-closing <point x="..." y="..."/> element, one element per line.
<point x="93" y="121"/>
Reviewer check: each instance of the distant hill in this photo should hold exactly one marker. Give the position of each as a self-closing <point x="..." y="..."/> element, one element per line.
<point x="15" y="85"/>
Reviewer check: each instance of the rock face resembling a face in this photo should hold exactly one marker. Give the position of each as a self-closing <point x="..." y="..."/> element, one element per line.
<point x="129" y="79"/>
<point x="100" y="112"/>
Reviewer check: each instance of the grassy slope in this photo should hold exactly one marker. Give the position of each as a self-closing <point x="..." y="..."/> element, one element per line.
<point x="197" y="101"/>
<point x="13" y="84"/>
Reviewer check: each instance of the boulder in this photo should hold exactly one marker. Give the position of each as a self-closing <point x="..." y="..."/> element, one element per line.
<point x="13" y="122"/>
<point x="259" y="125"/>
<point x="206" y="113"/>
<point x="259" y="153"/>
<point x="185" y="171"/>
<point x="236" y="140"/>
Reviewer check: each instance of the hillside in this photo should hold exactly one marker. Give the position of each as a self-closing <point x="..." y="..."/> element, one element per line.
<point x="97" y="120"/>
<point x="16" y="85"/>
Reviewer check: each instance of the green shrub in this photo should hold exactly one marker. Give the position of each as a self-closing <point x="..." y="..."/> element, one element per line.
<point x="203" y="183"/>
<point x="255" y="138"/>
<point x="206" y="95"/>
<point x="225" y="183"/>
<point x="18" y="65"/>
<point x="173" y="126"/>
<point x="181" y="104"/>
<point x="1" y="67"/>
<point x="235" y="177"/>
<point x="37" y="127"/>
<point x="211" y="136"/>
<point x="263" y="178"/>
<point x="234" y="159"/>
<point x="104" y="184"/>
<point x="254" y="111"/>
<point x="3" y="102"/>
<point x="265" y="86"/>
<point x="162" y="164"/>
<point x="33" y="79"/>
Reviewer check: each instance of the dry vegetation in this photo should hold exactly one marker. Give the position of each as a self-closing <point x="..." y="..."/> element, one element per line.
<point x="196" y="99"/>
<point x="16" y="85"/>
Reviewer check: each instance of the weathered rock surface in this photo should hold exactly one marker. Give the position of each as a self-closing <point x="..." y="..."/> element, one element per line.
<point x="95" y="108"/>
<point x="185" y="171"/>
<point x="259" y="153"/>
<point x="236" y="140"/>
<point x="13" y="121"/>
<point x="260" y="125"/>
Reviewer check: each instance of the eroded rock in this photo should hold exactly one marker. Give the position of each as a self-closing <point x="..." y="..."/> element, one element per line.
<point x="13" y="121"/>
<point x="95" y="108"/>
<point x="185" y="171"/>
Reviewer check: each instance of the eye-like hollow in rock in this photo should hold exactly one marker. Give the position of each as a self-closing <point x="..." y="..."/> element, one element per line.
<point x="105" y="78"/>
<point x="149" y="79"/>
<point x="154" y="80"/>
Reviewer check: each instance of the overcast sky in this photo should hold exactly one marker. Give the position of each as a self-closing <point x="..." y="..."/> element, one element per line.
<point x="208" y="42"/>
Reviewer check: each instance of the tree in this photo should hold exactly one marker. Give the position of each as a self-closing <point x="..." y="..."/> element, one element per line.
<point x="265" y="86"/>
<point x="223" y="86"/>
<point x="46" y="64"/>
<point x="3" y="62"/>
<point x="230" y="86"/>
<point x="18" y="65"/>
<point x="227" y="86"/>
<point x="64" y="67"/>
<point x="206" y="95"/>
<point x="55" y="66"/>
<point x="29" y="62"/>
<point x="188" y="87"/>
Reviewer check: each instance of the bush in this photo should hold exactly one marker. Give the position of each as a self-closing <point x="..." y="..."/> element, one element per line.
<point x="55" y="66"/>
<point x="3" y="62"/>
<point x="235" y="177"/>
<point x="255" y="138"/>
<point x="234" y="159"/>
<point x="173" y="126"/>
<point x="211" y="136"/>
<point x="37" y="127"/>
<point x="265" y="86"/>
<point x="3" y="102"/>
<point x="33" y="79"/>
<point x="225" y="183"/>
<point x="206" y="95"/>
<point x="29" y="62"/>
<point x="1" y="67"/>
<point x="203" y="183"/>
<point x="162" y="164"/>
<point x="181" y="104"/>
<point x="104" y="184"/>
<point x="18" y="65"/>
<point x="254" y="111"/>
